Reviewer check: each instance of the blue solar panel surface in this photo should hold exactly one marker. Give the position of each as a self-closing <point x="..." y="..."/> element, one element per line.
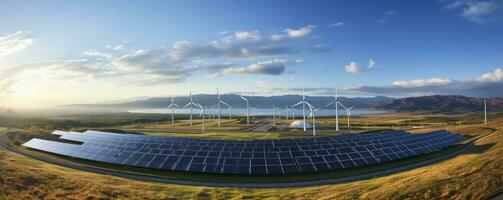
<point x="265" y="156"/>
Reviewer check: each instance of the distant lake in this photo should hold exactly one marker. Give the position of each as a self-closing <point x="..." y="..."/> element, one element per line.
<point x="259" y="111"/>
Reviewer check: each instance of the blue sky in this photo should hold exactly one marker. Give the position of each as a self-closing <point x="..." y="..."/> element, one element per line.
<point x="59" y="52"/>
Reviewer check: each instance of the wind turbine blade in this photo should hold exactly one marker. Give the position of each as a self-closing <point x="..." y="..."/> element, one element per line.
<point x="243" y="98"/>
<point x="297" y="104"/>
<point x="311" y="107"/>
<point x="225" y="103"/>
<point x="342" y="105"/>
<point x="187" y="105"/>
<point x="329" y="104"/>
<point x="174" y="104"/>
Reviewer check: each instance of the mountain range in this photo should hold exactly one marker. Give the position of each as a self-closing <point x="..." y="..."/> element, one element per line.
<point x="237" y="102"/>
<point x="441" y="104"/>
<point x="431" y="104"/>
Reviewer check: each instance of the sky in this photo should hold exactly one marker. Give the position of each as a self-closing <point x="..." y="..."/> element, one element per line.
<point x="65" y="52"/>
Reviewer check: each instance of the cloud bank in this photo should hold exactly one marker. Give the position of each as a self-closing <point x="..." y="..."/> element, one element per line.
<point x="486" y="85"/>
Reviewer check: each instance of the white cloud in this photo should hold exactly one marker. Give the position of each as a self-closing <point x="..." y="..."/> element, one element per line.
<point x="422" y="83"/>
<point x="485" y="85"/>
<point x="293" y="33"/>
<point x="337" y="24"/>
<point x="155" y="64"/>
<point x="355" y="69"/>
<point x="116" y="47"/>
<point x="477" y="11"/>
<point x="164" y="65"/>
<point x="495" y="76"/>
<point x="371" y="64"/>
<point x="247" y="36"/>
<point x="352" y="68"/>
<point x="270" y="67"/>
<point x="14" y="42"/>
<point x="95" y="53"/>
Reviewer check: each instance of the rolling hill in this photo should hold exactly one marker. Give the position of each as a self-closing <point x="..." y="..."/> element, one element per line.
<point x="441" y="104"/>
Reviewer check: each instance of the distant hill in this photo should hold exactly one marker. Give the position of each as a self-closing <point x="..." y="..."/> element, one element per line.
<point x="236" y="101"/>
<point x="431" y="104"/>
<point x="441" y="104"/>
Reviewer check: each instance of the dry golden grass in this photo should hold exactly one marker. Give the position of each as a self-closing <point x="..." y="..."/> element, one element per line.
<point x="476" y="174"/>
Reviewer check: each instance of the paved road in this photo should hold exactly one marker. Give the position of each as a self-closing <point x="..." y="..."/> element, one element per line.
<point x="247" y="185"/>
<point x="261" y="126"/>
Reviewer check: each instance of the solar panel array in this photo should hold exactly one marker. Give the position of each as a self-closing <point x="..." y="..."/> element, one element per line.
<point x="264" y="156"/>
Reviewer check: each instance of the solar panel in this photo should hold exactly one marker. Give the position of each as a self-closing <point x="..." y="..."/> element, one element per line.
<point x="271" y="156"/>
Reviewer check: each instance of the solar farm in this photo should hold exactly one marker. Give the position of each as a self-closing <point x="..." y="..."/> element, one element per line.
<point x="241" y="161"/>
<point x="273" y="156"/>
<point x="295" y="147"/>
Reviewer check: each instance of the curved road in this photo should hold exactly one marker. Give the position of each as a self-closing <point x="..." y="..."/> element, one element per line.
<point x="247" y="185"/>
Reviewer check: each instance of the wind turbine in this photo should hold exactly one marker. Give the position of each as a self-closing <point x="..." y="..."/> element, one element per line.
<point x="172" y="106"/>
<point x="485" y="111"/>
<point x="274" y="115"/>
<point x="254" y="113"/>
<point x="190" y="104"/>
<point x="348" y="113"/>
<point x="286" y="112"/>
<point x="303" y="102"/>
<point x="229" y="110"/>
<point x="247" y="110"/>
<point x="312" y="115"/>
<point x="201" y="114"/>
<point x="218" y="106"/>
<point x="336" y="102"/>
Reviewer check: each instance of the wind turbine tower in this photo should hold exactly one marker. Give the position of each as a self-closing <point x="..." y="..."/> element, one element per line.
<point x="218" y="106"/>
<point x="303" y="102"/>
<point x="336" y="102"/>
<point x="247" y="110"/>
<point x="190" y="104"/>
<point x="172" y="107"/>
<point x="485" y="111"/>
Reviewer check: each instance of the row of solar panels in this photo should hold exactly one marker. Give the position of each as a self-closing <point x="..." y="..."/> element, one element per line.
<point x="117" y="138"/>
<point x="276" y="156"/>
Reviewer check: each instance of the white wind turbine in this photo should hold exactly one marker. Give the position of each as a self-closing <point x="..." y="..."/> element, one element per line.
<point x="303" y="102"/>
<point x="274" y="115"/>
<point x="229" y="111"/>
<point x="286" y="112"/>
<point x="202" y="114"/>
<point x="485" y="111"/>
<point x="312" y="115"/>
<point x="172" y="106"/>
<point x="335" y="102"/>
<point x="219" y="101"/>
<point x="348" y="113"/>
<point x="253" y="113"/>
<point x="190" y="105"/>
<point x="247" y="110"/>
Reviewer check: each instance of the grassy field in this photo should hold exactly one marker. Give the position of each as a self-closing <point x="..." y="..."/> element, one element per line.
<point x="476" y="174"/>
<point x="15" y="138"/>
